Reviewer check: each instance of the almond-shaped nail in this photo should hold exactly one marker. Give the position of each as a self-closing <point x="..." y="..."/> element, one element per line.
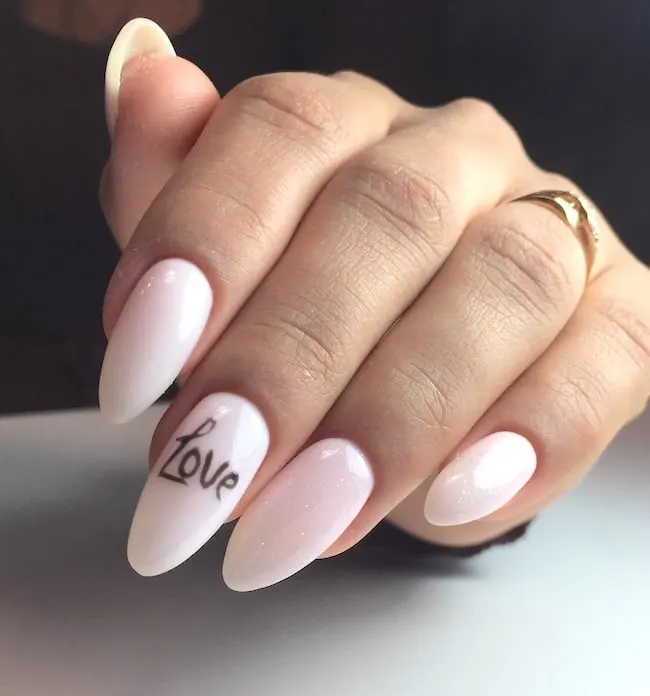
<point x="138" y="37"/>
<point x="299" y="515"/>
<point x="197" y="481"/>
<point x="158" y="329"/>
<point x="480" y="480"/>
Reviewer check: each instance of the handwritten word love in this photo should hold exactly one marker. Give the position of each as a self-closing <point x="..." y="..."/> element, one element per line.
<point x="185" y="465"/>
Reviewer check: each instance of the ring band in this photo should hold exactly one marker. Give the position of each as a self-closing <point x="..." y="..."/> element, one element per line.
<point x="576" y="212"/>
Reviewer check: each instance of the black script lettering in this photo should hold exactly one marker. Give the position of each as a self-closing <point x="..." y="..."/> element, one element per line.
<point x="184" y="464"/>
<point x="183" y="441"/>
<point x="227" y="482"/>
<point x="208" y="482"/>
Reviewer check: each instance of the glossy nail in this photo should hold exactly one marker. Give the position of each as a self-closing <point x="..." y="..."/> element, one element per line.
<point x="138" y="37"/>
<point x="197" y="481"/>
<point x="158" y="329"/>
<point x="299" y="515"/>
<point x="480" y="480"/>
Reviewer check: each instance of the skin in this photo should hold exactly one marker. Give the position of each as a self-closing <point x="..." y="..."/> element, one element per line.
<point x="96" y="21"/>
<point x="374" y="281"/>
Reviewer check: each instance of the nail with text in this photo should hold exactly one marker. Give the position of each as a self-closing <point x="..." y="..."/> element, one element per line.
<point x="197" y="481"/>
<point x="137" y="38"/>
<point x="480" y="480"/>
<point x="298" y="516"/>
<point x="157" y="331"/>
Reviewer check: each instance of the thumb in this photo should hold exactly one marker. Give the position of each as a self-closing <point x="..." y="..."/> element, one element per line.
<point x="157" y="104"/>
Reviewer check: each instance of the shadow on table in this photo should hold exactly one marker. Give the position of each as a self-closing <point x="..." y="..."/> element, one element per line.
<point x="65" y="583"/>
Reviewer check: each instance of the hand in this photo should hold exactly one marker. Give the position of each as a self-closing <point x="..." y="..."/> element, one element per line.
<point x="341" y="274"/>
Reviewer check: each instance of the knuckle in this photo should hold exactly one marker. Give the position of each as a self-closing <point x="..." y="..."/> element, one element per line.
<point x="477" y="110"/>
<point x="301" y="336"/>
<point x="580" y="397"/>
<point x="253" y="221"/>
<point x="480" y="116"/>
<point x="429" y="395"/>
<point x="403" y="201"/>
<point x="297" y="104"/>
<point x="348" y="75"/>
<point x="627" y="329"/>
<point x="529" y="268"/>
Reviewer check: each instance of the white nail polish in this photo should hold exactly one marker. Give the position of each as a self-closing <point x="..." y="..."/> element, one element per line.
<point x="481" y="480"/>
<point x="137" y="37"/>
<point x="197" y="481"/>
<point x="157" y="331"/>
<point x="299" y="515"/>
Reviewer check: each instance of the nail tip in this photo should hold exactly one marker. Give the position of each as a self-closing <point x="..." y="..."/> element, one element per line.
<point x="117" y="58"/>
<point x="114" y="414"/>
<point x="111" y="417"/>
<point x="145" y="572"/>
<point x="237" y="585"/>
<point x="118" y="410"/>
<point x="146" y="568"/>
<point x="442" y="522"/>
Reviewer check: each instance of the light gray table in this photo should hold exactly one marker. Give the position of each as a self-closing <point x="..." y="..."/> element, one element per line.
<point x="565" y="613"/>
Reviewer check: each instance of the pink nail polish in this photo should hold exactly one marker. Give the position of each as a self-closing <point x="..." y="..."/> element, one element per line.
<point x="197" y="481"/>
<point x="481" y="480"/>
<point x="155" y="335"/>
<point x="299" y="515"/>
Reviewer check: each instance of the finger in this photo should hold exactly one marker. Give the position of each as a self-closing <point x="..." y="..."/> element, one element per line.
<point x="427" y="383"/>
<point x="223" y="221"/>
<point x="330" y="298"/>
<point x="569" y="405"/>
<point x="164" y="104"/>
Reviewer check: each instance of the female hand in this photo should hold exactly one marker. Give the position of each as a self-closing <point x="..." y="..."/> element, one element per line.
<point x="346" y="277"/>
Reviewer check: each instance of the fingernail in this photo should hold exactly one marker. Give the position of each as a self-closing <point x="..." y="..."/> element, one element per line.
<point x="155" y="334"/>
<point x="299" y="515"/>
<point x="138" y="37"/>
<point x="481" y="480"/>
<point x="197" y="481"/>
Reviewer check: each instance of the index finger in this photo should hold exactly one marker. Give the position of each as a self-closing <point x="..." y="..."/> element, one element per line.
<point x="222" y="221"/>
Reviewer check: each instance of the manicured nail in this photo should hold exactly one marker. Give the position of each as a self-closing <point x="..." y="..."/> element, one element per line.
<point x="299" y="515"/>
<point x="138" y="37"/>
<point x="481" y="480"/>
<point x="197" y="481"/>
<point x="155" y="334"/>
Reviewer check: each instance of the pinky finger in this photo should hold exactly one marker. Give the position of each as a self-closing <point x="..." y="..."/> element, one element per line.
<point x="569" y="405"/>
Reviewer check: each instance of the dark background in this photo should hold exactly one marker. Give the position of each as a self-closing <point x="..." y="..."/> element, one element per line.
<point x="571" y="76"/>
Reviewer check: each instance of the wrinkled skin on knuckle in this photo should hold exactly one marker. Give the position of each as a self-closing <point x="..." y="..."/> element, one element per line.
<point x="430" y="394"/>
<point x="301" y="106"/>
<point x="527" y="268"/>
<point x="305" y="337"/>
<point x="406" y="203"/>
<point x="476" y="116"/>
<point x="627" y="328"/>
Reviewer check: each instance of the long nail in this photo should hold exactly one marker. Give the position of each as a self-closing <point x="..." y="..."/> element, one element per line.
<point x="481" y="480"/>
<point x="138" y="37"/>
<point x="299" y="515"/>
<point x="197" y="481"/>
<point x="158" y="329"/>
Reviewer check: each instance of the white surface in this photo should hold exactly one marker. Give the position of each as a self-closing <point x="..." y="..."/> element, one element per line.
<point x="564" y="613"/>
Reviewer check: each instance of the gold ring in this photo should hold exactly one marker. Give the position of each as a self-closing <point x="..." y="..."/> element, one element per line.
<point x="576" y="212"/>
